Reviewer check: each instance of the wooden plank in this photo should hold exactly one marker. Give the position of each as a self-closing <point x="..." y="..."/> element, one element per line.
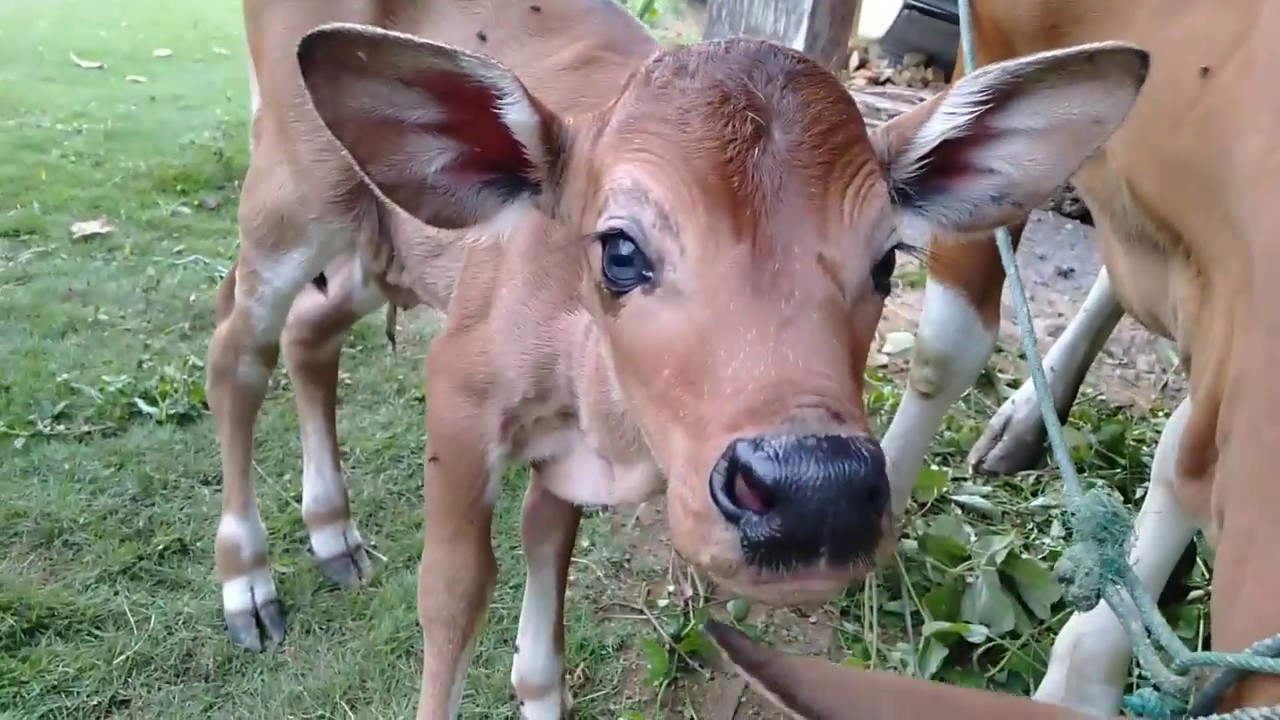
<point x="818" y="28"/>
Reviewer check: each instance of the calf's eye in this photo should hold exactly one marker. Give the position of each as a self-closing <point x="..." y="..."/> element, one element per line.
<point x="882" y="272"/>
<point x="623" y="265"/>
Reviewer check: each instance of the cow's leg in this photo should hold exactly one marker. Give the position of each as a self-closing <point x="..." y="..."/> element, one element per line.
<point x="462" y="479"/>
<point x="1090" y="659"/>
<point x="276" y="260"/>
<point x="313" y="337"/>
<point x="548" y="528"/>
<point x="1014" y="439"/>
<point x="954" y="341"/>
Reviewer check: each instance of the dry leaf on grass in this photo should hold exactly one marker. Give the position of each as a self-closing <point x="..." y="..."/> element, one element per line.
<point x="135" y="78"/>
<point x="91" y="228"/>
<point x="87" y="64"/>
<point x="161" y="52"/>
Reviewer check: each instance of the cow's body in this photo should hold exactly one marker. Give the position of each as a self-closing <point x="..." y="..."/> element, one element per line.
<point x="1181" y="199"/>
<point x="302" y="190"/>
<point x="662" y="271"/>
<point x="301" y="187"/>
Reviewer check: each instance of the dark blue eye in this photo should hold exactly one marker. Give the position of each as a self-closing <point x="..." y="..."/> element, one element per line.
<point x="623" y="265"/>
<point x="882" y="272"/>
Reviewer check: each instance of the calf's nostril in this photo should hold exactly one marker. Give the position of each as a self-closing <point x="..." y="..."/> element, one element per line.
<point x="875" y="494"/>
<point x="750" y="494"/>
<point x="737" y="488"/>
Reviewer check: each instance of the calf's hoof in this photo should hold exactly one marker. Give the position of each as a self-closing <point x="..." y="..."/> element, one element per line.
<point x="258" y="628"/>
<point x="545" y="709"/>
<point x="350" y="569"/>
<point x="1012" y="442"/>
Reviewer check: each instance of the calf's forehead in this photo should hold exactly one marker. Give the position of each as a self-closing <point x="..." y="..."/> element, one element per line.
<point x="754" y="127"/>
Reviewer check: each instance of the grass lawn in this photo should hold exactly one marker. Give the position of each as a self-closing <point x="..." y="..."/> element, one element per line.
<point x="109" y="470"/>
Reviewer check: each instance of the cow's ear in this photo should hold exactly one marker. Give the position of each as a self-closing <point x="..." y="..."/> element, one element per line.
<point x="452" y="137"/>
<point x="1000" y="141"/>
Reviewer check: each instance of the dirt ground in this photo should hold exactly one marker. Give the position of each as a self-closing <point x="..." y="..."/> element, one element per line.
<point x="1058" y="262"/>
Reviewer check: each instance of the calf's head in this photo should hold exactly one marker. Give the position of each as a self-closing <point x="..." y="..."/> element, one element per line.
<point x="738" y="228"/>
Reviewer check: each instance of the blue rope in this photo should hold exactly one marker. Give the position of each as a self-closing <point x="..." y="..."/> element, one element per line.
<point x="1096" y="567"/>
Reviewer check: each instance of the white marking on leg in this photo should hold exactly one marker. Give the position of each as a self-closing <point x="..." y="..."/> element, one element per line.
<point x="460" y="674"/>
<point x="1018" y="420"/>
<point x="244" y="593"/>
<point x="548" y="522"/>
<point x="952" y="347"/>
<point x="280" y="277"/>
<point x="323" y="488"/>
<point x="1089" y="663"/>
<point x="335" y="540"/>
<point x="255" y="96"/>
<point x="249" y="536"/>
<point x="537" y="664"/>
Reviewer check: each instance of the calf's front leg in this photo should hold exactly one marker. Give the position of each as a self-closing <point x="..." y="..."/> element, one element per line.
<point x="548" y="527"/>
<point x="313" y="335"/>
<point x="275" y="262"/>
<point x="457" y="571"/>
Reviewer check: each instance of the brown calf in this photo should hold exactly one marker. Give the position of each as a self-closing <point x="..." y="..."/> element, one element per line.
<point x="661" y="270"/>
<point x="1182" y="199"/>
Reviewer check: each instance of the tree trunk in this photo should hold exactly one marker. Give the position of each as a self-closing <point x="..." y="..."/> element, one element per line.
<point x="818" y="28"/>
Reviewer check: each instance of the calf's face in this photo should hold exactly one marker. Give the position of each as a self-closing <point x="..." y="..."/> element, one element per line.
<point x="738" y="229"/>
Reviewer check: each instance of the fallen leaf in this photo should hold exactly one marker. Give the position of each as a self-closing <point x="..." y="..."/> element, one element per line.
<point x="876" y="359"/>
<point x="91" y="228"/>
<point x="1036" y="585"/>
<point x="977" y="504"/>
<point x="87" y="64"/>
<point x="931" y="656"/>
<point x="161" y="52"/>
<point x="135" y="78"/>
<point x="897" y="342"/>
<point x="930" y="483"/>
<point x="986" y="603"/>
<point x="974" y="633"/>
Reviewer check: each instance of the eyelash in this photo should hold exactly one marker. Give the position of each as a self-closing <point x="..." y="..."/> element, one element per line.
<point x="883" y="285"/>
<point x="912" y="251"/>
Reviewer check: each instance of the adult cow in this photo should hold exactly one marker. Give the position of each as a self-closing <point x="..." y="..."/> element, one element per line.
<point x="661" y="269"/>
<point x="1181" y="197"/>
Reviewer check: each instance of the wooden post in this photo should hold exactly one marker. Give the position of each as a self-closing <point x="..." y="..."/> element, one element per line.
<point x="818" y="28"/>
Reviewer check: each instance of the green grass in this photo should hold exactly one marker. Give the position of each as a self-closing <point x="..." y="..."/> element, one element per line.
<point x="108" y="465"/>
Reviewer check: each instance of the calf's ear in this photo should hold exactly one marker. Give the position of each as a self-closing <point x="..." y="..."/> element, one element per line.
<point x="811" y="688"/>
<point x="452" y="137"/>
<point x="998" y="142"/>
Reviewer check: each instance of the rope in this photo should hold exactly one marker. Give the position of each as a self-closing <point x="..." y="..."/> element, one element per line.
<point x="1096" y="567"/>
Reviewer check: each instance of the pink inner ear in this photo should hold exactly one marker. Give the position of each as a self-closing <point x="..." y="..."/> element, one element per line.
<point x="474" y="120"/>
<point x="952" y="161"/>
